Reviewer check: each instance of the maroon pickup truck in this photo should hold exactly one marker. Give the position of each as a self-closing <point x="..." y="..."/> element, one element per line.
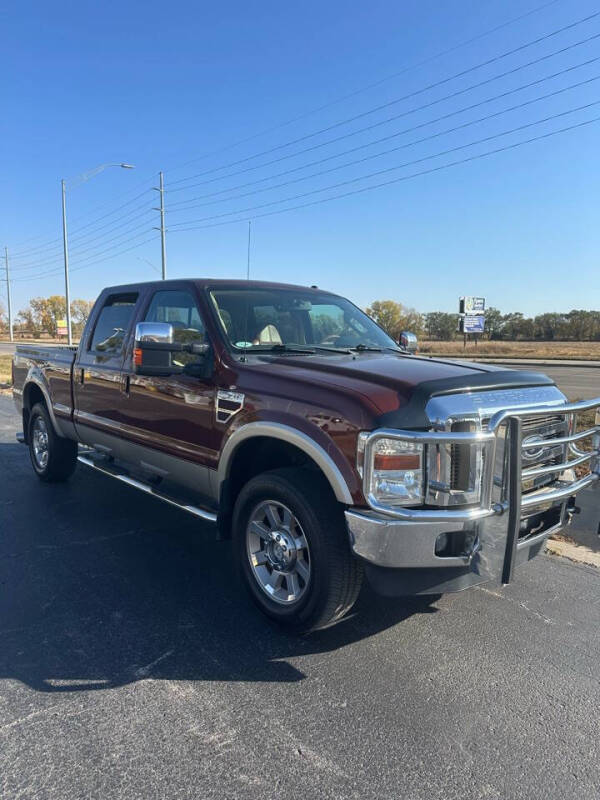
<point x="326" y="451"/>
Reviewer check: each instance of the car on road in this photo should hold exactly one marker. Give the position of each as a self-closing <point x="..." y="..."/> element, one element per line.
<point x="324" y="449"/>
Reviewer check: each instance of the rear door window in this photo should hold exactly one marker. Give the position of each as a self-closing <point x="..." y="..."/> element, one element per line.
<point x="112" y="325"/>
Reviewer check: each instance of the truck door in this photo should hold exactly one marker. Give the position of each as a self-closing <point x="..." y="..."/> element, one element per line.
<point x="172" y="418"/>
<point x="97" y="375"/>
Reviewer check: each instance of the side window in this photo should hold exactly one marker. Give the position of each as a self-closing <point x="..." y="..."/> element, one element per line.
<point x="112" y="324"/>
<point x="179" y="309"/>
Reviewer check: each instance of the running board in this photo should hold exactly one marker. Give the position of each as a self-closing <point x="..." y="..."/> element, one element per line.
<point x="207" y="516"/>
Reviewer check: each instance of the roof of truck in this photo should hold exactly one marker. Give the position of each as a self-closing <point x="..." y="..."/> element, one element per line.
<point x="203" y="283"/>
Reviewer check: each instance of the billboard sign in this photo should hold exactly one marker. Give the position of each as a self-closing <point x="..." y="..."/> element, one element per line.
<point x="472" y="323"/>
<point x="61" y="327"/>
<point x="472" y="305"/>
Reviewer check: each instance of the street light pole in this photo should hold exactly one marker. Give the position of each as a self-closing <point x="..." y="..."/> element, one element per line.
<point x="82" y="178"/>
<point x="66" y="252"/>
<point x="10" y="319"/>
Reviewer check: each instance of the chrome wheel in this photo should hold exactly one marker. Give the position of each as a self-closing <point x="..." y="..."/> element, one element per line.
<point x="39" y="441"/>
<point x="278" y="552"/>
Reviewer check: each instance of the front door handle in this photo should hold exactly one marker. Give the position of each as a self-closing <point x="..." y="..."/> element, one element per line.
<point x="126" y="384"/>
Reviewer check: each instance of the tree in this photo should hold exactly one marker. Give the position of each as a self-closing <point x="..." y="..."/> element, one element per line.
<point x="47" y="311"/>
<point x="440" y="325"/>
<point x="27" y="322"/>
<point x="494" y="323"/>
<point x="549" y="326"/>
<point x="394" y="318"/>
<point x="80" y="311"/>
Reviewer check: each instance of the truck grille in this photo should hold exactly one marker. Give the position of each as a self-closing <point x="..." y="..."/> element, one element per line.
<point x="540" y="431"/>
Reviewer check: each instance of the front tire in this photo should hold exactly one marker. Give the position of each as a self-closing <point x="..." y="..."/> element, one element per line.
<point x="53" y="458"/>
<point x="291" y="545"/>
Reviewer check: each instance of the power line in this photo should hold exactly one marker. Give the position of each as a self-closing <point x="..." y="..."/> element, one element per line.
<point x="45" y="246"/>
<point x="414" y="93"/>
<point x="83" y="216"/>
<point x="400" y="179"/>
<point x="79" y="248"/>
<point x="77" y="253"/>
<point x="385" y="152"/>
<point x="386" y="121"/>
<point x="387" y="170"/>
<point x="87" y="266"/>
<point x="369" y="86"/>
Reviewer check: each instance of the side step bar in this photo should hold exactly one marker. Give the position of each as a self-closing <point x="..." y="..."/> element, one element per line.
<point x="207" y="516"/>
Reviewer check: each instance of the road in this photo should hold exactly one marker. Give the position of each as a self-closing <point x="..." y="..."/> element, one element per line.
<point x="576" y="382"/>
<point x="132" y="666"/>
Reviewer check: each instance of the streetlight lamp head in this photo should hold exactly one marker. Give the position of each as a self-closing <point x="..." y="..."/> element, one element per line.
<point x="127" y="166"/>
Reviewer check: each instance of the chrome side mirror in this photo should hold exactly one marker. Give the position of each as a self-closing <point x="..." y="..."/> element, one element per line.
<point x="160" y="332"/>
<point x="408" y="342"/>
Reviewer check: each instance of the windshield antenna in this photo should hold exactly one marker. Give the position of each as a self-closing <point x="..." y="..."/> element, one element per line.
<point x="247" y="310"/>
<point x="248" y="259"/>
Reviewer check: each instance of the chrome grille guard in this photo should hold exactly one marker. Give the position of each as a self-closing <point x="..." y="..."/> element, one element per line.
<point x="513" y="474"/>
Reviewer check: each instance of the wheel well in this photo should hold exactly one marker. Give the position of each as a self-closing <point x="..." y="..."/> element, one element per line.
<point x="256" y="455"/>
<point x="32" y="395"/>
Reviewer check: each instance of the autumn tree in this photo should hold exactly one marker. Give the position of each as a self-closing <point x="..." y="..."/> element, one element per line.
<point x="80" y="311"/>
<point x="394" y="318"/>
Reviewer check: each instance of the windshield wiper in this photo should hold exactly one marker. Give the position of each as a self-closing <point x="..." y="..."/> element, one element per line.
<point x="344" y="350"/>
<point x="363" y="348"/>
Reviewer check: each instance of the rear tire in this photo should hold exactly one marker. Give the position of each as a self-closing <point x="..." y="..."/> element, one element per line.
<point x="53" y="458"/>
<point x="291" y="545"/>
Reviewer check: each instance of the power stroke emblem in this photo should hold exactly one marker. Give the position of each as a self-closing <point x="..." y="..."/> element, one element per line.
<point x="228" y="404"/>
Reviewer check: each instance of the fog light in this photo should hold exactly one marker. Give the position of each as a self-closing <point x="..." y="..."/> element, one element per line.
<point x="441" y="544"/>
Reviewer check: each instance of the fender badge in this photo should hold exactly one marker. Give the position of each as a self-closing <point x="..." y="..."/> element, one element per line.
<point x="228" y="405"/>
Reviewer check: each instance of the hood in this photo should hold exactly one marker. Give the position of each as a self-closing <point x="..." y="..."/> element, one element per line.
<point x="391" y="382"/>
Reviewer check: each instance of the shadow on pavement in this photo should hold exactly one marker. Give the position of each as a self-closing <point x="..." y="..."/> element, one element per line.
<point x="101" y="586"/>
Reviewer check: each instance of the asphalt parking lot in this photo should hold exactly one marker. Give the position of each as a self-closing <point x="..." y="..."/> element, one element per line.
<point x="132" y="666"/>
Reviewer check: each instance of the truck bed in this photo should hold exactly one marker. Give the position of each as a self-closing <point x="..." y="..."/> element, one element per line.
<point x="50" y="368"/>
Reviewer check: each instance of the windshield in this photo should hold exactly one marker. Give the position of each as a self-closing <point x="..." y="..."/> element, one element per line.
<point x="271" y="319"/>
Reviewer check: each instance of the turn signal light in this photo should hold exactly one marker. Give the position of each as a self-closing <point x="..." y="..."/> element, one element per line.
<point x="397" y="461"/>
<point x="138" y="357"/>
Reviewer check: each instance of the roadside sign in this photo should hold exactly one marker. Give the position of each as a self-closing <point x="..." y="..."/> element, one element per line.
<point x="473" y="323"/>
<point x="472" y="305"/>
<point x="61" y="327"/>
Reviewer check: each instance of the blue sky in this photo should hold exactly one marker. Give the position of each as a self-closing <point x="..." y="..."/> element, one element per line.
<point x="175" y="86"/>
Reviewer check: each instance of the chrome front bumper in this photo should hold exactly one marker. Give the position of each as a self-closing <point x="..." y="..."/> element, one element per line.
<point x="405" y="539"/>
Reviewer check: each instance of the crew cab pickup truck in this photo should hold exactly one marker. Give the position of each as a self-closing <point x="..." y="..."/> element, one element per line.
<point x="327" y="452"/>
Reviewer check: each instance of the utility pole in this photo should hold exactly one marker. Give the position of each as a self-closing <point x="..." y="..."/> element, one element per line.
<point x="10" y="319"/>
<point x="66" y="252"/>
<point x="163" y="242"/>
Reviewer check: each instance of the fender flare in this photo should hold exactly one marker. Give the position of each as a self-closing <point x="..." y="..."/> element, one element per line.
<point x="286" y="433"/>
<point x="33" y="379"/>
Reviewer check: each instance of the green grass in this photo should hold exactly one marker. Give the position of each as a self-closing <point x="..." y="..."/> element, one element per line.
<point x="5" y="370"/>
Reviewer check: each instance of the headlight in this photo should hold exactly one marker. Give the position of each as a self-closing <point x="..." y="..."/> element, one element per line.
<point x="394" y="474"/>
